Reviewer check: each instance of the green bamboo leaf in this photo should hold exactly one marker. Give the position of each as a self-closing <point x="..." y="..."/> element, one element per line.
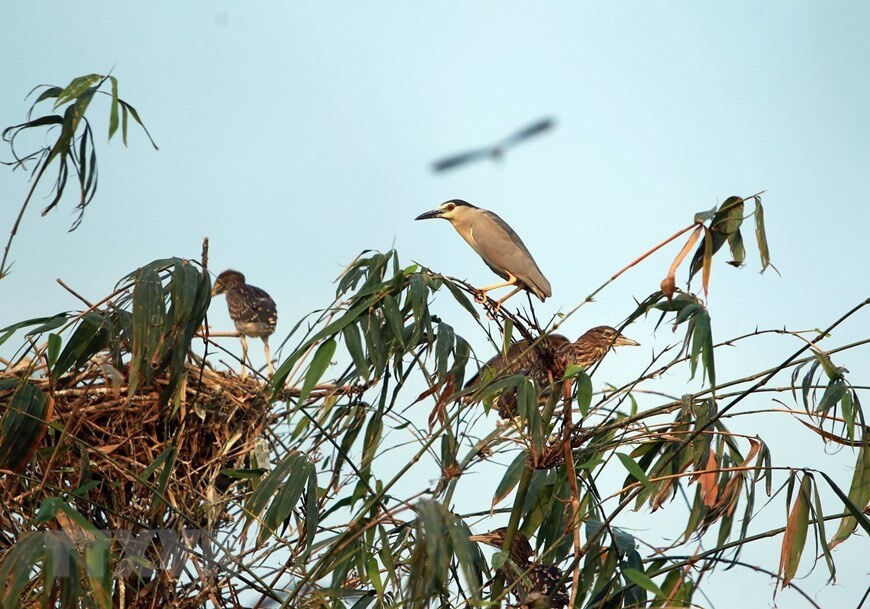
<point x="625" y="542"/>
<point x="584" y="390"/>
<point x="857" y="499"/>
<point x="167" y="461"/>
<point x="416" y="295"/>
<point x="53" y="349"/>
<point x="48" y="93"/>
<point x="467" y="553"/>
<point x="760" y="235"/>
<point x="321" y="361"/>
<point x="23" y="425"/>
<point x="635" y="470"/>
<point x="511" y="478"/>
<point x="149" y="321"/>
<point x="819" y="524"/>
<point x="394" y="317"/>
<point x="76" y="88"/>
<point x="329" y="330"/>
<point x="98" y="566"/>
<point x="738" y="252"/>
<point x="278" y="493"/>
<point x="127" y="107"/>
<point x="729" y="217"/>
<point x="353" y="342"/>
<point x="45" y="323"/>
<point x="19" y="562"/>
<point x="113" y="114"/>
<point x="834" y="392"/>
<point x="529" y="410"/>
<point x="641" y="579"/>
<point x="443" y="346"/>
<point x="461" y="298"/>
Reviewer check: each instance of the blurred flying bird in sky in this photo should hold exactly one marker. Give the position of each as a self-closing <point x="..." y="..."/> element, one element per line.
<point x="496" y="151"/>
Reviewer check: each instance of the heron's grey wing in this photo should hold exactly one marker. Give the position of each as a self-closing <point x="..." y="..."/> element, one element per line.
<point x="527" y="132"/>
<point x="461" y="159"/>
<point x="504" y="250"/>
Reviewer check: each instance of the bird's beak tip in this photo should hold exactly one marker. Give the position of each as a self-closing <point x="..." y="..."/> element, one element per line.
<point x="624" y="341"/>
<point x="435" y="213"/>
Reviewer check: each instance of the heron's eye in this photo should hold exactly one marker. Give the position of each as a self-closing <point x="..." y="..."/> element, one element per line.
<point x="450" y="207"/>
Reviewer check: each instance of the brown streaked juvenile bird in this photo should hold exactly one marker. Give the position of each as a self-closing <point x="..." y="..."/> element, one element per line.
<point x="539" y="585"/>
<point x="252" y="310"/>
<point x="548" y="361"/>
<point x="521" y="357"/>
<point x="500" y="247"/>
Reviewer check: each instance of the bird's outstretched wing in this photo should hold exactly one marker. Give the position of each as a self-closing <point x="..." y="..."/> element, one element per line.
<point x="461" y="159"/>
<point x="494" y="152"/>
<point x="536" y="128"/>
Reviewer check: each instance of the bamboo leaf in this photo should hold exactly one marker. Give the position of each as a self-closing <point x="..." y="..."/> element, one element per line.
<point x="708" y="260"/>
<point x="635" y="470"/>
<point x="857" y="500"/>
<point x="76" y="88"/>
<point x="834" y="392"/>
<point x="23" y="425"/>
<point x="796" y="532"/>
<point x="321" y="361"/>
<point x="643" y="580"/>
<point x="18" y="563"/>
<point x="511" y="478"/>
<point x="625" y="542"/>
<point x="353" y="342"/>
<point x="584" y="391"/>
<point x="443" y="346"/>
<point x="149" y="320"/>
<point x="114" y="120"/>
<point x="760" y="235"/>
<point x="45" y="323"/>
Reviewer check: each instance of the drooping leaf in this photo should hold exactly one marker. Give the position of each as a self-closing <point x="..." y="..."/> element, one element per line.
<point x="321" y="361"/>
<point x="760" y="235"/>
<point x="857" y="500"/>
<point x="796" y="532"/>
<point x="23" y="424"/>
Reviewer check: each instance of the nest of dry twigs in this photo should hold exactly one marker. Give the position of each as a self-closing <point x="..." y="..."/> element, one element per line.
<point x="133" y="463"/>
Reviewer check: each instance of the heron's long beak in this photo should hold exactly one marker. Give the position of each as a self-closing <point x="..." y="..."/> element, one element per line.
<point x="484" y="538"/>
<point x="624" y="341"/>
<point x="435" y="213"/>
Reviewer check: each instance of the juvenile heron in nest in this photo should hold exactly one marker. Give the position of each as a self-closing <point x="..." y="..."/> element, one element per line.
<point x="549" y="359"/>
<point x="538" y="587"/>
<point x="500" y="247"/>
<point x="251" y="309"/>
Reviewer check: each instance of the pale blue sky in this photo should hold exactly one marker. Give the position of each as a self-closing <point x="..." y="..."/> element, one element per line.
<point x="295" y="136"/>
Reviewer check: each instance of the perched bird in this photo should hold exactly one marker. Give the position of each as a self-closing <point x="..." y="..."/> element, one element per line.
<point x="496" y="151"/>
<point x="251" y="309"/>
<point x="500" y="247"/>
<point x="538" y="588"/>
<point x="521" y="357"/>
<point x="549" y="359"/>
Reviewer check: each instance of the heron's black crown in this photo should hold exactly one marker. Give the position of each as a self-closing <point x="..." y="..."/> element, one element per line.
<point x="460" y="203"/>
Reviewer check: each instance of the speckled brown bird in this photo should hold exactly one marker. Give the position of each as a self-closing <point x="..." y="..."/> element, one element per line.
<point x="252" y="310"/>
<point x="538" y="588"/>
<point x="549" y="360"/>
